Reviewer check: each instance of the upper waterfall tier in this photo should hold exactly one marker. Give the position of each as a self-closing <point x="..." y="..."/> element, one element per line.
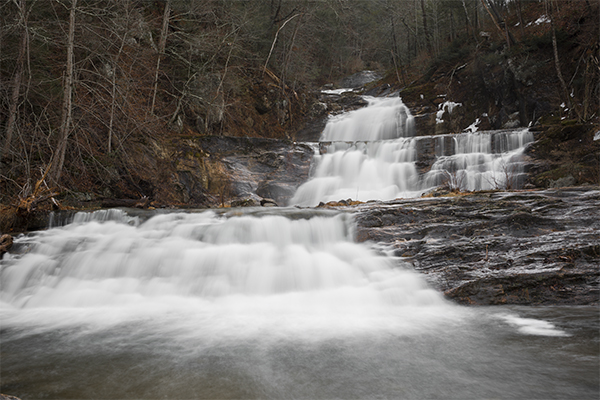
<point x="373" y="154"/>
<point x="384" y="118"/>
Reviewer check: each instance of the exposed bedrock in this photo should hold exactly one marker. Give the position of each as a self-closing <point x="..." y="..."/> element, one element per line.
<point x="240" y="169"/>
<point x="499" y="247"/>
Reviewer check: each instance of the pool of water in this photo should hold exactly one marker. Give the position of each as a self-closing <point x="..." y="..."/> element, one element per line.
<point x="286" y="306"/>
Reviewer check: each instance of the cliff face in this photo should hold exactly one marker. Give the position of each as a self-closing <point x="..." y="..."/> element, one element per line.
<point x="565" y="155"/>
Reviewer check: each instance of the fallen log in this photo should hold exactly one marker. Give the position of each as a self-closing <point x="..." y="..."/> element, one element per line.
<point x="39" y="195"/>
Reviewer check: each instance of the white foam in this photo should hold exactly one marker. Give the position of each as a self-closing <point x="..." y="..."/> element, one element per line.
<point x="531" y="326"/>
<point x="337" y="91"/>
<point x="242" y="271"/>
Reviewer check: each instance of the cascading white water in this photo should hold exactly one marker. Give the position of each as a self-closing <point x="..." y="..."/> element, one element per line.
<point x="265" y="304"/>
<point x="371" y="154"/>
<point x="385" y="118"/>
<point x="257" y="304"/>
<point x="367" y="154"/>
<point x="481" y="161"/>
<point x="245" y="265"/>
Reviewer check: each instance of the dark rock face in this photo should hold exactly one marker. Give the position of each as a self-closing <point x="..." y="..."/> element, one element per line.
<point x="564" y="155"/>
<point x="6" y="242"/>
<point x="328" y="104"/>
<point x="234" y="168"/>
<point x="497" y="248"/>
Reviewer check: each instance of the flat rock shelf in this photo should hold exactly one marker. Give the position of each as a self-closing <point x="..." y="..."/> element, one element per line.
<point x="489" y="248"/>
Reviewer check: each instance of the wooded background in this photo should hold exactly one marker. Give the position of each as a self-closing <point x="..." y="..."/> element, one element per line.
<point x="83" y="83"/>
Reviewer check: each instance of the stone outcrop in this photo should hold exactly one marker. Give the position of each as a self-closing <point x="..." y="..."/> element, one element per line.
<point x="233" y="169"/>
<point x="497" y="247"/>
<point x="564" y="155"/>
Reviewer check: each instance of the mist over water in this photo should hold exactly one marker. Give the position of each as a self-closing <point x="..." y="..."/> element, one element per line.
<point x="271" y="267"/>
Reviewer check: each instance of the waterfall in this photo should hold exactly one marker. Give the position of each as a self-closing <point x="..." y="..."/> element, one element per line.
<point x="267" y="262"/>
<point x="481" y="161"/>
<point x="365" y="154"/>
<point x="256" y="304"/>
<point x="259" y="303"/>
<point x="372" y="154"/>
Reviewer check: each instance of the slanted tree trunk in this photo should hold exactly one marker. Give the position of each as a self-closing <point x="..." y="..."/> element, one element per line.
<point x="162" y="44"/>
<point x="275" y="40"/>
<point x="16" y="82"/>
<point x="58" y="157"/>
<point x="592" y="69"/>
<point x="499" y="22"/>
<point x="395" y="52"/>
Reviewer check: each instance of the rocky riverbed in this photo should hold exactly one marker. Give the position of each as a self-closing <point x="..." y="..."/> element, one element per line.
<point x="488" y="248"/>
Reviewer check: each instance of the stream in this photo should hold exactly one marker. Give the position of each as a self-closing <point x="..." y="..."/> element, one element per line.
<point x="311" y="302"/>
<point x="263" y="304"/>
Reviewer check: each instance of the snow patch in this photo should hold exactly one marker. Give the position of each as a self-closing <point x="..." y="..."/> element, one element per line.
<point x="473" y="127"/>
<point x="541" y="20"/>
<point x="450" y="105"/>
<point x="337" y="91"/>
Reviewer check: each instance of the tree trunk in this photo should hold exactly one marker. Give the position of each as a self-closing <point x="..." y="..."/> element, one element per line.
<point x="452" y="35"/>
<point x="521" y="22"/>
<point x="408" y="45"/>
<point x="113" y="102"/>
<point x="275" y="40"/>
<point x="58" y="157"/>
<point x="491" y="15"/>
<point x="395" y="52"/>
<point x="162" y="44"/>
<point x="471" y="27"/>
<point x="425" y="29"/>
<point x="588" y="77"/>
<point x="563" y="85"/>
<point x="16" y="83"/>
<point x="288" y="56"/>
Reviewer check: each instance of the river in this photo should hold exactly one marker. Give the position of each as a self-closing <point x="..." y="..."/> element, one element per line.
<point x="263" y="304"/>
<point x="279" y="302"/>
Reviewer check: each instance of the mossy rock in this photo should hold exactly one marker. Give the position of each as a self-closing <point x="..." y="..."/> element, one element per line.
<point x="576" y="174"/>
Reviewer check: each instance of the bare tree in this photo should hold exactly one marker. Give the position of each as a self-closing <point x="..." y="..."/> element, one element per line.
<point x="162" y="43"/>
<point x="58" y="157"/>
<point x="550" y="11"/>
<point x="425" y="28"/>
<point x="17" y="77"/>
<point x="115" y="72"/>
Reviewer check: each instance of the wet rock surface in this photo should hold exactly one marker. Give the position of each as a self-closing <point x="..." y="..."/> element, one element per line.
<point x="242" y="169"/>
<point x="328" y="104"/>
<point x="529" y="247"/>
